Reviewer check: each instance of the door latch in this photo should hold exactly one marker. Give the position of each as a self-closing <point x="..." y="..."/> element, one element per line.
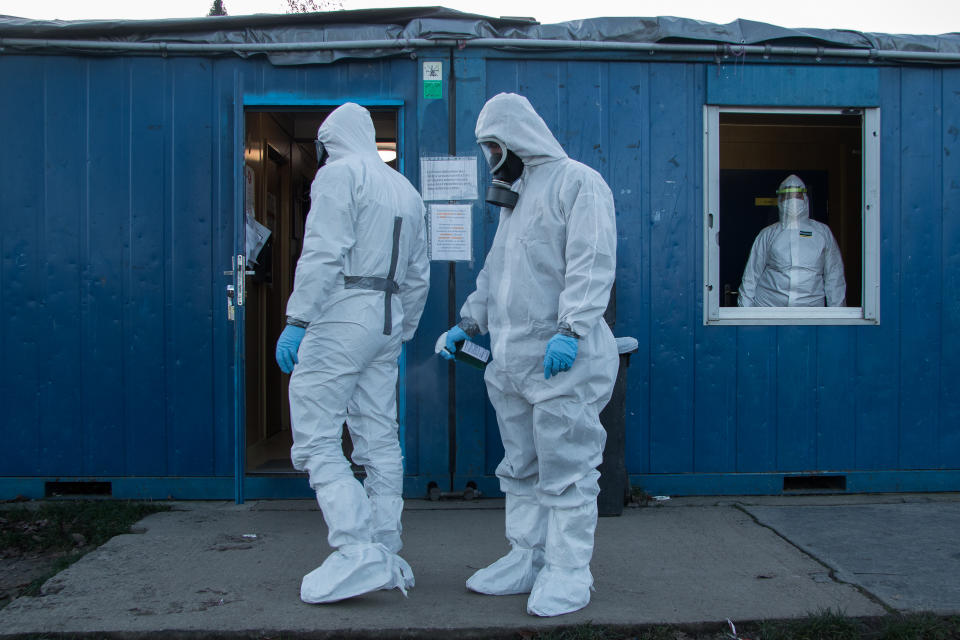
<point x="236" y="292"/>
<point x="231" y="311"/>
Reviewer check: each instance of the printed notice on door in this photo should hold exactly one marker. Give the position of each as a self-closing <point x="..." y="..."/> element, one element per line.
<point x="450" y="231"/>
<point x="448" y="178"/>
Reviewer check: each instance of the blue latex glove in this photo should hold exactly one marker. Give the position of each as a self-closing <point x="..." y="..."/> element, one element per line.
<point x="287" y="347"/>
<point x="454" y="335"/>
<point x="561" y="352"/>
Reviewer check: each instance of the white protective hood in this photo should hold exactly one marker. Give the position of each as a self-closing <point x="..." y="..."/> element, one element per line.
<point x="348" y="130"/>
<point x="511" y="119"/>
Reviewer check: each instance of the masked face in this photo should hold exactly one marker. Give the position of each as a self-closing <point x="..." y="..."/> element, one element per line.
<point x="794" y="207"/>
<point x="792" y="198"/>
<point x="506" y="167"/>
<point x="322" y="154"/>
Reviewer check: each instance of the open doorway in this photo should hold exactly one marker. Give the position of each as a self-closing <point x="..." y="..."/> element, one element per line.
<point x="280" y="163"/>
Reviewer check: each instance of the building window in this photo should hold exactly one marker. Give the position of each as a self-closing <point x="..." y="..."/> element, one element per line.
<point x="793" y="273"/>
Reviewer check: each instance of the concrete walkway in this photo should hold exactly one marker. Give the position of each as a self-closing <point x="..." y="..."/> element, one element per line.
<point x="220" y="568"/>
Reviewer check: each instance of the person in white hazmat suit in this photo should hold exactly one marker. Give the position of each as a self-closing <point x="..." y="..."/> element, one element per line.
<point x="541" y="295"/>
<point x="795" y="262"/>
<point x="360" y="287"/>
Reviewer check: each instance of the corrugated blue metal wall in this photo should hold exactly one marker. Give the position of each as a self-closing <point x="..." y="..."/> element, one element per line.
<point x="116" y="223"/>
<point x="721" y="409"/>
<point x="111" y="228"/>
<point x="117" y="195"/>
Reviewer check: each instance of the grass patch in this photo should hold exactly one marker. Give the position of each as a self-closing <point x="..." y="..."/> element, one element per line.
<point x="920" y="626"/>
<point x="65" y="531"/>
<point x="62" y="526"/>
<point x="589" y="631"/>
<point x="822" y="625"/>
<point x="831" y="625"/>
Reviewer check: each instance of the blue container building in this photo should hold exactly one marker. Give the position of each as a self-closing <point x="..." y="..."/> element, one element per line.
<point x="137" y="343"/>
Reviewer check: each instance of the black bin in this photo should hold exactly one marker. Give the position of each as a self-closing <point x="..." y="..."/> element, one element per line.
<point x="614" y="483"/>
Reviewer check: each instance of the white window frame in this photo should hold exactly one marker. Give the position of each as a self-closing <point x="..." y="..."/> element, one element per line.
<point x="869" y="313"/>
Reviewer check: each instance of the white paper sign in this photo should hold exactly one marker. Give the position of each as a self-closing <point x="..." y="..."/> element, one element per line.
<point x="448" y="178"/>
<point x="450" y="226"/>
<point x="432" y="71"/>
<point x="257" y="235"/>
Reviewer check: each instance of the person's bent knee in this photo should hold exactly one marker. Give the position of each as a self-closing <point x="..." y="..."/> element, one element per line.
<point x="323" y="460"/>
<point x="583" y="491"/>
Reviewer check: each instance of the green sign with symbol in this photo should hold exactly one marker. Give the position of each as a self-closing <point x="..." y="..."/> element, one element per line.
<point x="432" y="80"/>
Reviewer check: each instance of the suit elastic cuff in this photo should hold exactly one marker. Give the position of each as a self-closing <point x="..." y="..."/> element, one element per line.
<point x="469" y="326"/>
<point x="297" y="322"/>
<point x="565" y="330"/>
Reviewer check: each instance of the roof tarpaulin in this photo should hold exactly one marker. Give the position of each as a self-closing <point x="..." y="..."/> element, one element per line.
<point x="439" y="23"/>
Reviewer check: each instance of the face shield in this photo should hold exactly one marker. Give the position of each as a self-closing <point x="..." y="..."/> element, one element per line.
<point x="506" y="167"/>
<point x="792" y="200"/>
<point x="494" y="152"/>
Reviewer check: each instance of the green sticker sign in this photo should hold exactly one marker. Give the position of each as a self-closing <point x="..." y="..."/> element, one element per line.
<point x="432" y="80"/>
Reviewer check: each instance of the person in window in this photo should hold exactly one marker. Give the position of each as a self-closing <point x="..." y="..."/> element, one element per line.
<point x="794" y="262"/>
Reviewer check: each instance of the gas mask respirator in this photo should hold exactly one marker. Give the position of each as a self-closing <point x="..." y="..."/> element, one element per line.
<point x="506" y="167"/>
<point x="322" y="154"/>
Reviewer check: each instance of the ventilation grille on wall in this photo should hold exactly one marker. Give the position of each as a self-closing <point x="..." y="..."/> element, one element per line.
<point x="54" y="489"/>
<point x="814" y="484"/>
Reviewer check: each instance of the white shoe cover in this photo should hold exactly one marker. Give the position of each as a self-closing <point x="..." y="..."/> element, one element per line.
<point x="355" y="569"/>
<point x="560" y="590"/>
<point x="385" y="521"/>
<point x="513" y="573"/>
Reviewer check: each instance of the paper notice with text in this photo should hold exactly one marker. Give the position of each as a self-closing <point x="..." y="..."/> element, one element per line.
<point x="448" y="178"/>
<point x="450" y="226"/>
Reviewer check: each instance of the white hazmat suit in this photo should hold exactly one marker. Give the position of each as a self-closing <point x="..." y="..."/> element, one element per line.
<point x="795" y="262"/>
<point x="549" y="271"/>
<point x="361" y="284"/>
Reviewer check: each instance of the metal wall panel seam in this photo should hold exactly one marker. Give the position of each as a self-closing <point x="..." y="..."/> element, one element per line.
<point x="878" y="381"/>
<point x="671" y="415"/>
<point x="921" y="240"/>
<point x="60" y="131"/>
<point x="949" y="438"/>
<point x="221" y="362"/>
<point x="433" y="140"/>
<point x="472" y="419"/>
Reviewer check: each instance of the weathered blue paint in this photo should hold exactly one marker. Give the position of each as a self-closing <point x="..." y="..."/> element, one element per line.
<point x="477" y="454"/>
<point x="878" y="379"/>
<point x="238" y="280"/>
<point x="836" y="388"/>
<point x="118" y="219"/>
<point x="796" y="398"/>
<point x="60" y="284"/>
<point x="675" y="167"/>
<point x="948" y="433"/>
<point x="735" y="83"/>
<point x="732" y="484"/>
<point x="294" y="99"/>
<point x="429" y="382"/>
<point x="920" y="293"/>
<point x="119" y="201"/>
